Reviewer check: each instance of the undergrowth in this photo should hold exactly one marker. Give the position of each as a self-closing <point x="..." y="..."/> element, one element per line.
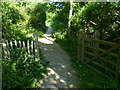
<point x="87" y="77"/>
<point x="22" y="70"/>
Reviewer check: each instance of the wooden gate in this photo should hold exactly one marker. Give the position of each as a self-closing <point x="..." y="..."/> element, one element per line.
<point x="101" y="56"/>
<point x="28" y="46"/>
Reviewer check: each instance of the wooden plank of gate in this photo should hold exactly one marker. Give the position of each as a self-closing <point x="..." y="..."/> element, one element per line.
<point x="108" y="61"/>
<point x="105" y="42"/>
<point x="98" y="71"/>
<point x="4" y="48"/>
<point x="15" y="43"/>
<point x="28" y="46"/>
<point x="96" y="48"/>
<point x="11" y="44"/>
<point x="100" y="65"/>
<point x="24" y="49"/>
<point x="101" y="42"/>
<point x="24" y="44"/>
<point x="32" y="49"/>
<point x="109" y="50"/>
<point x="20" y="46"/>
<point x="8" y="47"/>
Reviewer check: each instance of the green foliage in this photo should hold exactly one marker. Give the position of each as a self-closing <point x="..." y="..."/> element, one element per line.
<point x="87" y="17"/>
<point x="22" y="70"/>
<point x="38" y="17"/>
<point x="61" y="16"/>
<point x="16" y="19"/>
<point x="10" y="17"/>
<point x="61" y="34"/>
<point x="87" y="77"/>
<point x="99" y="16"/>
<point x="19" y="21"/>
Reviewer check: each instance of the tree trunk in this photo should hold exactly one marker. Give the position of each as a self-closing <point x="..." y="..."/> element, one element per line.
<point x="69" y="20"/>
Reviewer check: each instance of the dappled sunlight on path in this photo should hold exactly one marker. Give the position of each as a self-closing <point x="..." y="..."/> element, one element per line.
<point x="45" y="41"/>
<point x="60" y="72"/>
<point x="47" y="37"/>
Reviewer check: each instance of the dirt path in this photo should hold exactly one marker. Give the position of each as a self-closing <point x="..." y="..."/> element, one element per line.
<point x="61" y="73"/>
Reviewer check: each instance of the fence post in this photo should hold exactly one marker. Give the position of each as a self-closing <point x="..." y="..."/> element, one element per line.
<point x="36" y="46"/>
<point x="97" y="38"/>
<point x="82" y="50"/>
<point x="78" y="46"/>
<point x="118" y="64"/>
<point x="80" y="55"/>
<point x="4" y="48"/>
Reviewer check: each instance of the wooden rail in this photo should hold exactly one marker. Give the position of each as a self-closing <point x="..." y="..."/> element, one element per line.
<point x="99" y="58"/>
<point x="100" y="42"/>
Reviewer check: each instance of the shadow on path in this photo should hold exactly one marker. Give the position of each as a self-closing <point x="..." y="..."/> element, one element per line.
<point x="60" y="72"/>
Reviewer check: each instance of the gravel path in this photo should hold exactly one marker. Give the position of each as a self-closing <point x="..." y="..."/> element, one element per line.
<point x="60" y="72"/>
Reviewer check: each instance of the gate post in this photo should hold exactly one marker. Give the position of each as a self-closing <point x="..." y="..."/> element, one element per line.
<point x="78" y="46"/>
<point x="118" y="64"/>
<point x="36" y="46"/>
<point x="80" y="53"/>
<point x="97" y="37"/>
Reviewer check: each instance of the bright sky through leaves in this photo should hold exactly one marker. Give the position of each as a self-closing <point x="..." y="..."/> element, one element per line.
<point x="66" y="0"/>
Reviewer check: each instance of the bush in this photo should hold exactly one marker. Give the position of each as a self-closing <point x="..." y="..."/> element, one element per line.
<point x="21" y="70"/>
<point x="38" y="17"/>
<point x="19" y="20"/>
<point x="99" y="16"/>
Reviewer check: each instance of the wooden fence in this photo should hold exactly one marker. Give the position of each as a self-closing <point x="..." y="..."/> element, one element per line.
<point x="101" y="56"/>
<point x="28" y="46"/>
